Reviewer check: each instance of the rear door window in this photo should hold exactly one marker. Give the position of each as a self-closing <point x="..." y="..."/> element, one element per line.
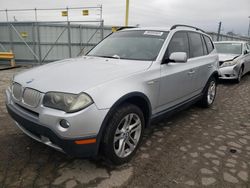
<point x="196" y="49"/>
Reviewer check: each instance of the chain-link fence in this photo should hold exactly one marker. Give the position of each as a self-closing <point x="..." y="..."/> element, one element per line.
<point x="40" y="41"/>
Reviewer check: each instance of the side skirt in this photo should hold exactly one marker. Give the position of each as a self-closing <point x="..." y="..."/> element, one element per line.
<point x="179" y="107"/>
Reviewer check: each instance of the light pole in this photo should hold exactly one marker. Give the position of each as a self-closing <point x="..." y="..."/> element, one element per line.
<point x="127" y="12"/>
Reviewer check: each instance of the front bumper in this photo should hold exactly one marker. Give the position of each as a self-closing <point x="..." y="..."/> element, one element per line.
<point x="48" y="137"/>
<point x="228" y="73"/>
<point x="51" y="134"/>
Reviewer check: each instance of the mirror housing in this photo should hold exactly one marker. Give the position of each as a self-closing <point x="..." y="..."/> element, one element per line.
<point x="246" y="52"/>
<point x="178" y="57"/>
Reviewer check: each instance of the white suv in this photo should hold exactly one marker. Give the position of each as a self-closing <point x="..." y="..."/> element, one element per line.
<point x="101" y="103"/>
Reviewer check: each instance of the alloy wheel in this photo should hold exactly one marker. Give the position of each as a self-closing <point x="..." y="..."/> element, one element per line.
<point x="127" y="135"/>
<point x="211" y="92"/>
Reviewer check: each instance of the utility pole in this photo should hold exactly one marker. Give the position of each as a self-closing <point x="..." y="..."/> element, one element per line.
<point x="249" y="27"/>
<point x="218" y="34"/>
<point x="127" y="12"/>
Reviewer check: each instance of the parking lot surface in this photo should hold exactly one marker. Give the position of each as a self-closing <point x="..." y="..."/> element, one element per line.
<point x="195" y="148"/>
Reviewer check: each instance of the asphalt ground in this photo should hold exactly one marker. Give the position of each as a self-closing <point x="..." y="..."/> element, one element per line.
<point x="194" y="148"/>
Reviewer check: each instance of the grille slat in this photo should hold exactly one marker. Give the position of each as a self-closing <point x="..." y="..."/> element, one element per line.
<point x="17" y="91"/>
<point x="31" y="97"/>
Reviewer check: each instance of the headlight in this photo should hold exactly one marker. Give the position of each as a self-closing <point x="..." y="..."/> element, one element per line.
<point x="66" y="101"/>
<point x="228" y="63"/>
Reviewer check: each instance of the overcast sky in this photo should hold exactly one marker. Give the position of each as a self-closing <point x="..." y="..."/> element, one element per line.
<point x="205" y="14"/>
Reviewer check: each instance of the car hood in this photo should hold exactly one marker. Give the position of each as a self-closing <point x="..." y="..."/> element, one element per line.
<point x="227" y="57"/>
<point x="79" y="74"/>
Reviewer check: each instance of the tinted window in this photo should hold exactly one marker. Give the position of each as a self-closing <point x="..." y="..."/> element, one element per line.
<point x="205" y="51"/>
<point x="196" y="48"/>
<point x="178" y="43"/>
<point x="209" y="43"/>
<point x="246" y="47"/>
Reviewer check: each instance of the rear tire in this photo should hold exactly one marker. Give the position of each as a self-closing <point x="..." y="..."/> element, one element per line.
<point x="209" y="93"/>
<point x="123" y="134"/>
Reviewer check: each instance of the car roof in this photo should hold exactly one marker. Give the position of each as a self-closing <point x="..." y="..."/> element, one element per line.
<point x="167" y="29"/>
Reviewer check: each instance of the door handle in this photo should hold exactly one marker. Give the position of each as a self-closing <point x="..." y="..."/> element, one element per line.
<point x="191" y="72"/>
<point x="152" y="82"/>
<point x="210" y="66"/>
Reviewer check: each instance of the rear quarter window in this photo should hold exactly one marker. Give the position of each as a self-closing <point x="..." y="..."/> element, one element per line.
<point x="248" y="46"/>
<point x="205" y="50"/>
<point x="209" y="43"/>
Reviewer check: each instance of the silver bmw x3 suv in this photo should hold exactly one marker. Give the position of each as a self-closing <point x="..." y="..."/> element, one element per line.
<point x="100" y="103"/>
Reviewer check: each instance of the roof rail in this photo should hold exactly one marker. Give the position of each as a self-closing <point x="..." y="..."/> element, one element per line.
<point x="180" y="25"/>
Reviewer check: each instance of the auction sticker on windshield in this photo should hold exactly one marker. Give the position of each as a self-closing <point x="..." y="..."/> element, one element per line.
<point x="154" y="33"/>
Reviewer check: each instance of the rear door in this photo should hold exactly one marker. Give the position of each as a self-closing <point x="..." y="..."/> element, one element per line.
<point x="200" y="52"/>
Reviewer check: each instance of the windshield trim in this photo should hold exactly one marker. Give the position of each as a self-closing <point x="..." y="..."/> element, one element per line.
<point x="110" y="57"/>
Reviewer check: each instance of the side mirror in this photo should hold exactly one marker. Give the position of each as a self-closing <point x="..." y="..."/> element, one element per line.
<point x="178" y="57"/>
<point x="246" y="52"/>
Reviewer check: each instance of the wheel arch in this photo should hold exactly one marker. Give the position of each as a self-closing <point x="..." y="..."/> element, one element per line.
<point x="243" y="67"/>
<point x="215" y="74"/>
<point x="137" y="98"/>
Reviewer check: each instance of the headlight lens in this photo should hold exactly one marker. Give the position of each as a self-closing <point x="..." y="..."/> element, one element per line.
<point x="228" y="63"/>
<point x="66" y="101"/>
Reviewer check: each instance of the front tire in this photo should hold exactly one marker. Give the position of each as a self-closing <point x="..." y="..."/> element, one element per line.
<point x="209" y="93"/>
<point x="240" y="74"/>
<point x="123" y="134"/>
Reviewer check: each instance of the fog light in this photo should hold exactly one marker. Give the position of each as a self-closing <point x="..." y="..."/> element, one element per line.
<point x="64" y="123"/>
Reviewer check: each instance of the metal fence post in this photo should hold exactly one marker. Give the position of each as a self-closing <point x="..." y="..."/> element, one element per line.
<point x="80" y="35"/>
<point x="69" y="40"/>
<point x="10" y="32"/>
<point x="102" y="30"/>
<point x="38" y="39"/>
<point x="39" y="43"/>
<point x="34" y="40"/>
<point x="69" y="35"/>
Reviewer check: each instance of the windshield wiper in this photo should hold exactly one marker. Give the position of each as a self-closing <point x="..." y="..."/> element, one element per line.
<point x="116" y="56"/>
<point x="113" y="57"/>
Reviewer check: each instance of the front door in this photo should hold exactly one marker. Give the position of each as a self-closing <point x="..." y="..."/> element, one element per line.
<point x="176" y="83"/>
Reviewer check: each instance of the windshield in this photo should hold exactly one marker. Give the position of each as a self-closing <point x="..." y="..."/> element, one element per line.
<point x="229" y="48"/>
<point x="134" y="45"/>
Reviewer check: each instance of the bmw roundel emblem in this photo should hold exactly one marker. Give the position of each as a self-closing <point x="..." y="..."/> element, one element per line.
<point x="28" y="82"/>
